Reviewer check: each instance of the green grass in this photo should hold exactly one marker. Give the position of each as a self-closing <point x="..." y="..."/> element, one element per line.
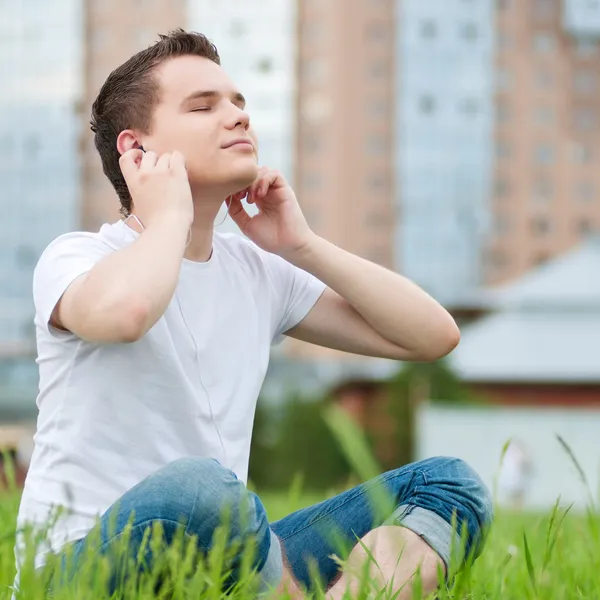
<point x="546" y="557"/>
<point x="552" y="556"/>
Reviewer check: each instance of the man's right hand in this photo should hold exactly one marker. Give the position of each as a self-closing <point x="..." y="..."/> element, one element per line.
<point x="158" y="185"/>
<point x="126" y="292"/>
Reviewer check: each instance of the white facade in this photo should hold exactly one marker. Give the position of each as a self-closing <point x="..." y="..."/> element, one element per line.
<point x="256" y="42"/>
<point x="444" y="132"/>
<point x="582" y="17"/>
<point x="40" y="69"/>
<point x="478" y="436"/>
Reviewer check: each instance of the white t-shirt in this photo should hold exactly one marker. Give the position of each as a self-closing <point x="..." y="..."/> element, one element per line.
<point x="112" y="414"/>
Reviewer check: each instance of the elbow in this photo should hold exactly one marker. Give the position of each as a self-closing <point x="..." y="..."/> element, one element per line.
<point x="451" y="339"/>
<point x="134" y="322"/>
<point x="445" y="340"/>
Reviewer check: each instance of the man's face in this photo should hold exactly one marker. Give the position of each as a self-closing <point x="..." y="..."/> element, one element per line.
<point x="201" y="114"/>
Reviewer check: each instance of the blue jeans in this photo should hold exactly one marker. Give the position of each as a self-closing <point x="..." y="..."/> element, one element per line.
<point x="435" y="498"/>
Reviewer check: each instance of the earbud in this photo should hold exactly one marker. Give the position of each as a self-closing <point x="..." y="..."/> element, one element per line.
<point x="142" y="148"/>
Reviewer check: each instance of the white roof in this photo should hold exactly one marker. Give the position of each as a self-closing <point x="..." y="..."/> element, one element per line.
<point x="546" y="330"/>
<point x="548" y="347"/>
<point x="572" y="280"/>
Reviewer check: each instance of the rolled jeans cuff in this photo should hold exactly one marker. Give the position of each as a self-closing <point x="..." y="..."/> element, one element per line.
<point x="272" y="571"/>
<point x="434" y="530"/>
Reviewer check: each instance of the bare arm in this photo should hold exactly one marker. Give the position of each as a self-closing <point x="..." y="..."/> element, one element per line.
<point x="371" y="310"/>
<point x="126" y="293"/>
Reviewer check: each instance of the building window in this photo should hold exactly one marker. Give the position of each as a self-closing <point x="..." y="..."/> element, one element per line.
<point x="541" y="258"/>
<point x="99" y="39"/>
<point x="32" y="146"/>
<point x="544" y="154"/>
<point x="503" y="112"/>
<point x="6" y="145"/>
<point x="427" y="104"/>
<point x="543" y="10"/>
<point x="504" y="79"/>
<point x="502" y="225"/>
<point x="145" y="37"/>
<point x="586" y="48"/>
<point x="312" y="182"/>
<point x="544" y="43"/>
<point x="581" y="154"/>
<point x="265" y="65"/>
<point x="544" y="116"/>
<point x="501" y="188"/>
<point x="26" y="256"/>
<point x="585" y="226"/>
<point x="503" y="149"/>
<point x="584" y="82"/>
<point x="376" y="145"/>
<point x="468" y="32"/>
<point x="377" y="219"/>
<point x="544" y="79"/>
<point x="469" y="107"/>
<point x="585" y="191"/>
<point x="504" y="40"/>
<point x="377" y="32"/>
<point x="315" y="71"/>
<point x="377" y="182"/>
<point x="584" y="119"/>
<point x="313" y="143"/>
<point x="378" y="69"/>
<point x="497" y="260"/>
<point x="313" y="31"/>
<point x="543" y="191"/>
<point x="541" y="226"/>
<point x="428" y="29"/>
<point x="237" y="29"/>
<point x="377" y="107"/>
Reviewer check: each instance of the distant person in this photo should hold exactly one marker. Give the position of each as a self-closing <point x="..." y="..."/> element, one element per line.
<point x="515" y="475"/>
<point x="154" y="333"/>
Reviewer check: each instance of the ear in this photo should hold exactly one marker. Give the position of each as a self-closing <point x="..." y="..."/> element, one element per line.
<point x="127" y="140"/>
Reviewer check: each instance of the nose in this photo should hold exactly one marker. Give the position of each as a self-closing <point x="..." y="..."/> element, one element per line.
<point x="239" y="118"/>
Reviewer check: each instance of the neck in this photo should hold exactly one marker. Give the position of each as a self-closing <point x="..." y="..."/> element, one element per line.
<point x="200" y="236"/>
<point x="200" y="245"/>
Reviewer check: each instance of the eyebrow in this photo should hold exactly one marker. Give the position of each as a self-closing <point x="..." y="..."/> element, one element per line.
<point x="237" y="98"/>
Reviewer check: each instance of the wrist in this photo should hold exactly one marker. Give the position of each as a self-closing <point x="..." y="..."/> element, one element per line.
<point x="170" y="219"/>
<point x="304" y="255"/>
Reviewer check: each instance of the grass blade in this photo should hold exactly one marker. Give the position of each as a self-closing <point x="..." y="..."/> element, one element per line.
<point x="529" y="562"/>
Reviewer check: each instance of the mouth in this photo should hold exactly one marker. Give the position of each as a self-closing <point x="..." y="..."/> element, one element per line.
<point x="239" y="143"/>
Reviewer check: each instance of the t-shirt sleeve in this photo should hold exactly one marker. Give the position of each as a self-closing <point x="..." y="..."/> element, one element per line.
<point x="295" y="292"/>
<point x="65" y="259"/>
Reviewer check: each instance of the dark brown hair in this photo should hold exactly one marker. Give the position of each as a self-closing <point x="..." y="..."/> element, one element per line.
<point x="130" y="94"/>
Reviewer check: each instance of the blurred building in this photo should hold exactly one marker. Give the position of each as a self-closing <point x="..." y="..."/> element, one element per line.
<point x="40" y="63"/>
<point x="547" y="181"/>
<point x="537" y="345"/>
<point x="443" y="142"/>
<point x="454" y="140"/>
<point x="114" y="31"/>
<point x="256" y="42"/>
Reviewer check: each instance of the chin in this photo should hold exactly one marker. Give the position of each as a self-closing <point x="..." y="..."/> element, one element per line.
<point x="244" y="174"/>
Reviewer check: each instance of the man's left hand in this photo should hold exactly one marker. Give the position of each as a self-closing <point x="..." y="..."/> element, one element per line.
<point x="279" y="227"/>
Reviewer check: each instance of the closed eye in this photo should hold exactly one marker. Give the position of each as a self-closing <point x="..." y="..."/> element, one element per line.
<point x="201" y="109"/>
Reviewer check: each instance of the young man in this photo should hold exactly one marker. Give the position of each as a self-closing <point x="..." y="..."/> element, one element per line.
<point x="154" y="335"/>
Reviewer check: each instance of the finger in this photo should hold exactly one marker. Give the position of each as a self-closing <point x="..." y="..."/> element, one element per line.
<point x="238" y="214"/>
<point x="267" y="181"/>
<point x="129" y="162"/>
<point x="254" y="187"/>
<point x="148" y="161"/>
<point x="163" y="162"/>
<point x="238" y="196"/>
<point x="178" y="162"/>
